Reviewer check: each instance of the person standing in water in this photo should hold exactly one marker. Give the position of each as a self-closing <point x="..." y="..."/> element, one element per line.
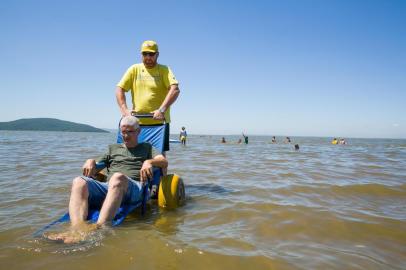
<point x="153" y="88"/>
<point x="183" y="135"/>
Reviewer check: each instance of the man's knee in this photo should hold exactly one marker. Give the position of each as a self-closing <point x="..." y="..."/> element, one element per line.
<point x="118" y="180"/>
<point x="79" y="185"/>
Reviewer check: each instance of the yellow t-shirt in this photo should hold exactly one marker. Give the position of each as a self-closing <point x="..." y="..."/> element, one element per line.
<point x="149" y="88"/>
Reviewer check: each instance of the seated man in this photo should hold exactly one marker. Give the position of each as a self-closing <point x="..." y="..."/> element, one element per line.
<point x="129" y="167"/>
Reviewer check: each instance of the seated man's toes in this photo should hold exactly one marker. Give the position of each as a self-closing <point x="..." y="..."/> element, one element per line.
<point x="55" y="236"/>
<point x="74" y="235"/>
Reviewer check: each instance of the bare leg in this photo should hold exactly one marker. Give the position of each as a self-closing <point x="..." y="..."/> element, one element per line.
<point x="78" y="204"/>
<point x="78" y="209"/>
<point x="118" y="186"/>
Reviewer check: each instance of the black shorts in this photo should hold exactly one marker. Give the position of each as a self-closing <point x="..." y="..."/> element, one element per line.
<point x="166" y="138"/>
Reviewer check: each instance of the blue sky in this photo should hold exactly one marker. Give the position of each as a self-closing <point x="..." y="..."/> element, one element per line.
<point x="298" y="68"/>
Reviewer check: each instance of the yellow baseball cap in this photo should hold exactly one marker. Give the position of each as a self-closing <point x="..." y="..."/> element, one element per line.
<point x="149" y="46"/>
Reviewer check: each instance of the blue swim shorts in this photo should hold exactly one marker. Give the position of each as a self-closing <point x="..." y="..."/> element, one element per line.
<point x="98" y="192"/>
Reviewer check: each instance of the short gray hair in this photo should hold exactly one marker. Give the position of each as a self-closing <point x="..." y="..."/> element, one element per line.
<point x="131" y="121"/>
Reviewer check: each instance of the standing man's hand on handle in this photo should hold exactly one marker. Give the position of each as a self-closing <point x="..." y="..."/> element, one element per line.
<point x="158" y="114"/>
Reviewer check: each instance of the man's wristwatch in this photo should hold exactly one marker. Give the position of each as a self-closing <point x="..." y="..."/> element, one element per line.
<point x="162" y="110"/>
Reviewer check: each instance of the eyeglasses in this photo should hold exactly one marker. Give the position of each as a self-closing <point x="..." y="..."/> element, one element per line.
<point x="128" y="132"/>
<point x="148" y="53"/>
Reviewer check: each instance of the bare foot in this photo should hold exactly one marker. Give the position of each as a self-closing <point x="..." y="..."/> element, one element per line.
<point x="74" y="235"/>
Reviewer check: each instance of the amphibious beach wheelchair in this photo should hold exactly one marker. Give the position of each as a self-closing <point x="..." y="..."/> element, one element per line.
<point x="171" y="189"/>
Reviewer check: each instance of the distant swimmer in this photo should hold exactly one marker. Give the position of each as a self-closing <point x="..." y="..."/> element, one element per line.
<point x="296" y="147"/>
<point x="223" y="140"/>
<point x="334" y="141"/>
<point x="245" y="138"/>
<point x="239" y="141"/>
<point x="287" y="140"/>
<point x="183" y="135"/>
<point x="273" y="139"/>
<point x="342" y="141"/>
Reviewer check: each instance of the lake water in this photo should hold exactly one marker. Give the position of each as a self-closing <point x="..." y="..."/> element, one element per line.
<point x="255" y="206"/>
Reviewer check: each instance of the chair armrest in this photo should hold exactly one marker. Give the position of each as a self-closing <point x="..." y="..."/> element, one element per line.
<point x="100" y="165"/>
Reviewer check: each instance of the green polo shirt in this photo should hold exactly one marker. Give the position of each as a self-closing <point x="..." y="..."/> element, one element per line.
<point x="127" y="161"/>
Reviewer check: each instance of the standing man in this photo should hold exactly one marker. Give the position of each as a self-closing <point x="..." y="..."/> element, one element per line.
<point x="153" y="88"/>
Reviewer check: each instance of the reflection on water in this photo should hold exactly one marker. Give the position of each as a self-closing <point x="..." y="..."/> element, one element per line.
<point x="258" y="206"/>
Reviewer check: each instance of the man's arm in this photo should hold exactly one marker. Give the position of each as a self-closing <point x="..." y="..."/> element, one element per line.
<point x="121" y="101"/>
<point x="146" y="169"/>
<point x="89" y="168"/>
<point x="170" y="98"/>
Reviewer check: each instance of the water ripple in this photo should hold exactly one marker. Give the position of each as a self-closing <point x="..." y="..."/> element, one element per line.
<point x="262" y="205"/>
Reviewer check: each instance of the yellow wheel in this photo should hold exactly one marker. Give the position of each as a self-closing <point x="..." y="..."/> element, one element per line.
<point x="171" y="192"/>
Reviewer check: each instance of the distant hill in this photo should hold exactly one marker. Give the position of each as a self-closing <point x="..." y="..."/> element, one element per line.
<point x="47" y="124"/>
